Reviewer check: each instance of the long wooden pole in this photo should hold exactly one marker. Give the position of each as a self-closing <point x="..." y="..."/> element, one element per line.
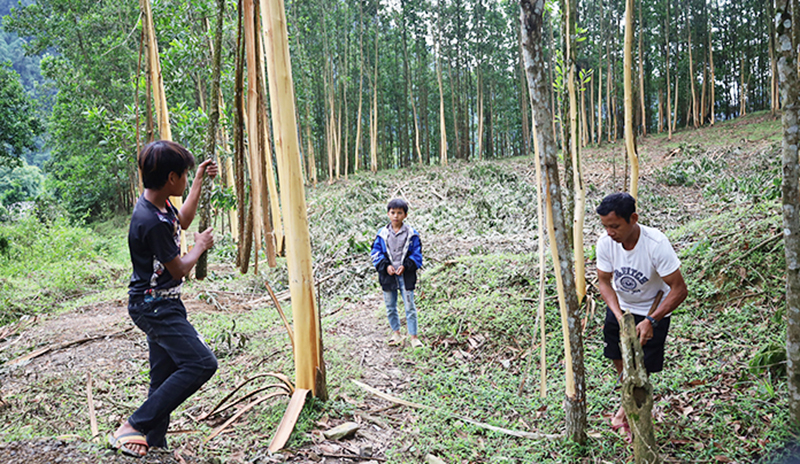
<point x="309" y="365"/>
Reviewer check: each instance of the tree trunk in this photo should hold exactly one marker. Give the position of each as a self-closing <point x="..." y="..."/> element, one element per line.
<point x="251" y="122"/>
<point x="591" y="111"/>
<point x="668" y="81"/>
<point x="579" y="195"/>
<point x="630" y="145"/>
<point x="159" y="96"/>
<point x="374" y="121"/>
<point x="479" y="150"/>
<point x="641" y="74"/>
<point x="703" y="95"/>
<point x="790" y="95"/>
<point x="691" y="76"/>
<point x="442" y="127"/>
<point x="201" y="268"/>
<point x="599" y="105"/>
<point x="245" y="216"/>
<point x="713" y="82"/>
<point x="575" y="405"/>
<point x="675" y="104"/>
<point x="637" y="394"/>
<point x="309" y="363"/>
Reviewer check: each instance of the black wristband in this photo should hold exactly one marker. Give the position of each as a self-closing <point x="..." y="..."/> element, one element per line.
<point x="653" y="322"/>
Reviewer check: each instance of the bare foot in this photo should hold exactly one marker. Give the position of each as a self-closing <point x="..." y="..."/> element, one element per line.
<point x="619" y="418"/>
<point x="141" y="450"/>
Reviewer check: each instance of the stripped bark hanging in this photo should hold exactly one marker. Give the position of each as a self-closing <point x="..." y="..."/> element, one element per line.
<point x="630" y="145"/>
<point x="531" y="12"/>
<point x="162" y="111"/>
<point x="309" y="364"/>
<point x="790" y="96"/>
<point x="201" y="268"/>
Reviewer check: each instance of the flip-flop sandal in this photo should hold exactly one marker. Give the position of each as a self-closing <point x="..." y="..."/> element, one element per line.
<point x="134" y="438"/>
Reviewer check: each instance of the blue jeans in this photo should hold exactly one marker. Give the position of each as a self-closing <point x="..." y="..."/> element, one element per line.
<point x="408" y="301"/>
<point x="180" y="363"/>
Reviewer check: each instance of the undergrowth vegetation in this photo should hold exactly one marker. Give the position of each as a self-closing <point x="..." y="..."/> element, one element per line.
<point x="46" y="261"/>
<point x="721" y="397"/>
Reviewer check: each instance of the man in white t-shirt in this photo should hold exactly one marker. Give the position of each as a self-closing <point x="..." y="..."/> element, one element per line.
<point x="634" y="263"/>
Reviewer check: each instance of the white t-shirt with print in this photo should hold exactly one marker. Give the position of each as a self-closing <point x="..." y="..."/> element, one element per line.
<point x="638" y="273"/>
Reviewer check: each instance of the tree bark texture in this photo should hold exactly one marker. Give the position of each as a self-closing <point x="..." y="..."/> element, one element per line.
<point x="637" y="394"/>
<point x="790" y="95"/>
<point x="531" y="12"/>
<point x="201" y="268"/>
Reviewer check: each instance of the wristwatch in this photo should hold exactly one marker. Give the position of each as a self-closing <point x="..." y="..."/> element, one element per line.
<point x="653" y="322"/>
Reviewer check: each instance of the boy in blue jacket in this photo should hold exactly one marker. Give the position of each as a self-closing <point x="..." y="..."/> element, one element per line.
<point x="397" y="254"/>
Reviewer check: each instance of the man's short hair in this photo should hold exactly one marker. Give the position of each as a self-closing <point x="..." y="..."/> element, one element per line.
<point x="160" y="158"/>
<point x="397" y="203"/>
<point x="621" y="203"/>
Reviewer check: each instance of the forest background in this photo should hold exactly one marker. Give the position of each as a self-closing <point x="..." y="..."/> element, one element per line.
<point x="443" y="71"/>
<point x="78" y="63"/>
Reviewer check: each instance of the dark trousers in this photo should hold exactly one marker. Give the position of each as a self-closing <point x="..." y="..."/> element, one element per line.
<point x="180" y="363"/>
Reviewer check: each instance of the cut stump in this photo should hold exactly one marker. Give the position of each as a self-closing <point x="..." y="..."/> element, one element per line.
<point x="637" y="394"/>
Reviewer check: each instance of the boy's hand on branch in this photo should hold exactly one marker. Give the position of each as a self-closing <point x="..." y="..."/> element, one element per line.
<point x="205" y="239"/>
<point x="207" y="167"/>
<point x="390" y="270"/>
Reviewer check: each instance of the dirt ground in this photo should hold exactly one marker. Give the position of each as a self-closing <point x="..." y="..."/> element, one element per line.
<point x="382" y="368"/>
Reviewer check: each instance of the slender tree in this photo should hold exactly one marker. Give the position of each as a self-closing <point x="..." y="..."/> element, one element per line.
<point x="787" y="31"/>
<point x="630" y="144"/>
<point x="531" y="12"/>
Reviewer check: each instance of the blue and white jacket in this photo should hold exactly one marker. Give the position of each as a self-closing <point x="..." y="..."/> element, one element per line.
<point x="412" y="259"/>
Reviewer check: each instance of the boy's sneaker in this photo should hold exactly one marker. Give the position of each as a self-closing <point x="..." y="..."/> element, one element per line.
<point x="416" y="343"/>
<point x="395" y="339"/>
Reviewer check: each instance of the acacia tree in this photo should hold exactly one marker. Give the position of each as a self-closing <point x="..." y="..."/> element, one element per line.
<point x="788" y="32"/>
<point x="531" y="17"/>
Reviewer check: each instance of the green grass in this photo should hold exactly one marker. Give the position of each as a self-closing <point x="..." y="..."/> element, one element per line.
<point x="47" y="263"/>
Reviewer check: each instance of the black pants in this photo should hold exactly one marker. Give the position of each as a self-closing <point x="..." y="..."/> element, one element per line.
<point x="653" y="349"/>
<point x="180" y="363"/>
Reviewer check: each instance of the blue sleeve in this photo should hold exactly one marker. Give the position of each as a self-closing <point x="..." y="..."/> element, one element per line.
<point x="415" y="251"/>
<point x="378" y="254"/>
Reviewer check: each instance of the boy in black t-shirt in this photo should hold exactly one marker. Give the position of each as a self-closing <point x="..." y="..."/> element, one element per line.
<point x="180" y="360"/>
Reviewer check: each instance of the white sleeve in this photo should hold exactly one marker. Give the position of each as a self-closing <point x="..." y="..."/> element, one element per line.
<point x="665" y="259"/>
<point x="604" y="255"/>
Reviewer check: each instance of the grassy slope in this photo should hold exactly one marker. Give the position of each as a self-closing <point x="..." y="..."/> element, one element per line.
<point x="478" y="226"/>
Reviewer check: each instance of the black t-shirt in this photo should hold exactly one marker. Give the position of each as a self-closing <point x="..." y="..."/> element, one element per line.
<point x="154" y="238"/>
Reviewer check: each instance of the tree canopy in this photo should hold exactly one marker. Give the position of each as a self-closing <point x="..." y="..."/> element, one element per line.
<point x="19" y="124"/>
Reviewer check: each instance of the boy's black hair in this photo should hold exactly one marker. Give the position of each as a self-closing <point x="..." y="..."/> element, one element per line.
<point x="161" y="157"/>
<point x="398" y="203"/>
<point x="621" y="203"/>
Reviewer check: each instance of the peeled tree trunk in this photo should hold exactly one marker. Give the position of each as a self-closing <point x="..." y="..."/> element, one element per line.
<point x="790" y="95"/>
<point x="630" y="145"/>
<point x="159" y="96"/>
<point x="531" y="17"/>
<point x="309" y="364"/>
<point x="579" y="194"/>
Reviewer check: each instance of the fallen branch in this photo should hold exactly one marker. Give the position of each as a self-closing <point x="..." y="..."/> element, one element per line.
<point x="354" y="456"/>
<point x="751" y="250"/>
<point x="239" y="414"/>
<point x="90" y="400"/>
<point x="61" y="346"/>
<point x="280" y="311"/>
<point x="513" y="433"/>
